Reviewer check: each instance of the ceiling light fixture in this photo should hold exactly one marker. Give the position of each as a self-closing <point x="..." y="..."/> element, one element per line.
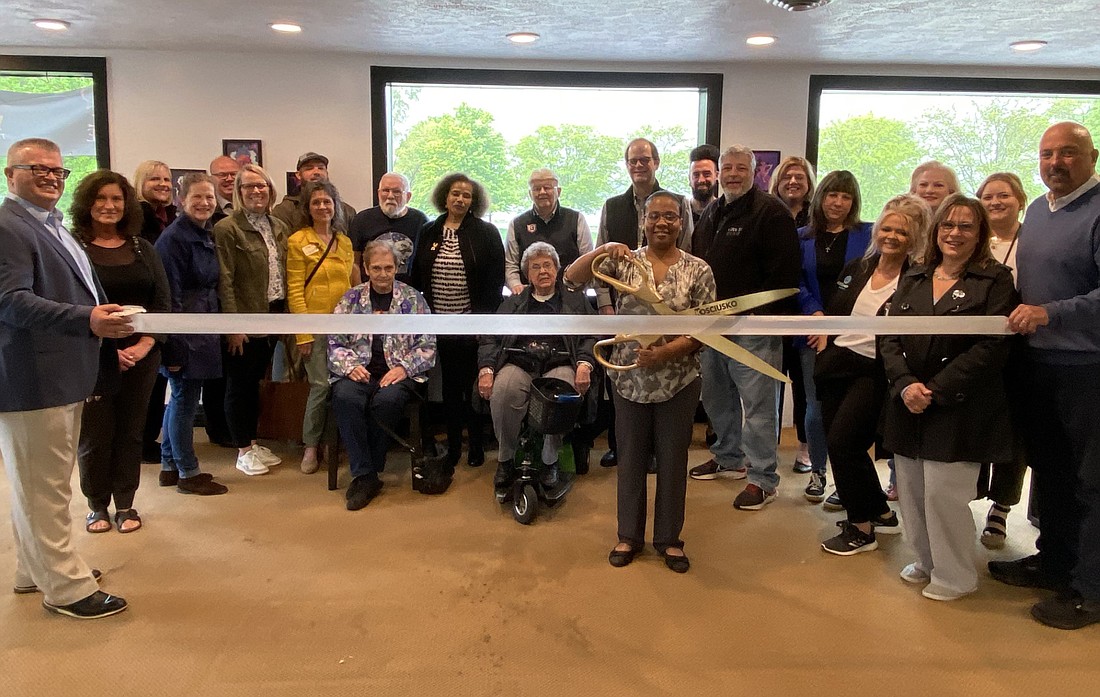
<point x="760" y="40"/>
<point x="1029" y="45"/>
<point x="287" y="27"/>
<point x="799" y="5"/>
<point x="51" y="24"/>
<point x="523" y="37"/>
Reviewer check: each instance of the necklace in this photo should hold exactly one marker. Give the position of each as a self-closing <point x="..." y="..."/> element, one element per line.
<point x="943" y="277"/>
<point x="830" y="243"/>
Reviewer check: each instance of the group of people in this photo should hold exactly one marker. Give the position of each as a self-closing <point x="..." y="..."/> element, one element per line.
<point x="960" y="415"/>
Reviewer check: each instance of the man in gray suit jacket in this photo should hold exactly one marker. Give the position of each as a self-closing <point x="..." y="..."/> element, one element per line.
<point x="51" y="317"/>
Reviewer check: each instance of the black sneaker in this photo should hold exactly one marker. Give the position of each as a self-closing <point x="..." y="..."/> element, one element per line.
<point x="96" y="605"/>
<point x="712" y="470"/>
<point x="1067" y="611"/>
<point x="851" y="540"/>
<point x="815" y="490"/>
<point x="1025" y="573"/>
<point x="361" y="490"/>
<point x="549" y="475"/>
<point x="886" y="524"/>
<point x="833" y="503"/>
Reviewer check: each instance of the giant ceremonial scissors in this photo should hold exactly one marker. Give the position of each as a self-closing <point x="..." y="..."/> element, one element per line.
<point x="647" y="293"/>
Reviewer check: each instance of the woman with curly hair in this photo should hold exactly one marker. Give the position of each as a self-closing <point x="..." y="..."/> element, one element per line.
<point x="107" y="219"/>
<point x="459" y="267"/>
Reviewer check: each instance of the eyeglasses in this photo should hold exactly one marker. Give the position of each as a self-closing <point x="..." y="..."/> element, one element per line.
<point x="253" y="187"/>
<point x="949" y="226"/>
<point x="668" y="217"/>
<point x="42" y="171"/>
<point x="543" y="187"/>
<point x="635" y="161"/>
<point x="224" y="175"/>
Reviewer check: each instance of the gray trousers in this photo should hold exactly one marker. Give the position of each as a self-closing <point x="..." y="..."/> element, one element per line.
<point x="508" y="405"/>
<point x="935" y="512"/>
<point x="39" y="451"/>
<point x="644" y="430"/>
<point x="317" y="406"/>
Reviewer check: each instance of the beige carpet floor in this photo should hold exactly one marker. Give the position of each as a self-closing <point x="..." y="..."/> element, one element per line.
<point x="275" y="589"/>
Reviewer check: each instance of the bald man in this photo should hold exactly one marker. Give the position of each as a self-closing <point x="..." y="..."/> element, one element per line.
<point x="1058" y="261"/>
<point x="224" y="169"/>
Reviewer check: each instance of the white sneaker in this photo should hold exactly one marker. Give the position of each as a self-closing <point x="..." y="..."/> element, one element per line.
<point x="934" y="591"/>
<point x="250" y="464"/>
<point x="914" y="574"/>
<point x="265" y="456"/>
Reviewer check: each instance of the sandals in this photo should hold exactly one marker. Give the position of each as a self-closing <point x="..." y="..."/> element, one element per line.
<point x="97" y="517"/>
<point x="124" y="516"/>
<point x="995" y="532"/>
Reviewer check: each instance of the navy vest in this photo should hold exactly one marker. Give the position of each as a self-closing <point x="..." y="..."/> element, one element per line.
<point x="560" y="233"/>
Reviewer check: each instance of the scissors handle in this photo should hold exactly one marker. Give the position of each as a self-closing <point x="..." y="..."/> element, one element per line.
<point x="644" y="291"/>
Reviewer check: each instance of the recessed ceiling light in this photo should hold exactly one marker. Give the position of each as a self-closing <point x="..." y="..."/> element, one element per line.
<point x="1029" y="45"/>
<point x="51" y="24"/>
<point x="523" y="37"/>
<point x="760" y="40"/>
<point x="286" y="27"/>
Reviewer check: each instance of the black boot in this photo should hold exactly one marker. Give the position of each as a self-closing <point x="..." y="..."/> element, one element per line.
<point x="506" y="473"/>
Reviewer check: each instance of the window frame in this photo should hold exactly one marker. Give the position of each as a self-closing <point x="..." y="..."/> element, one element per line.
<point x="69" y="66"/>
<point x="912" y="83"/>
<point x="709" y="84"/>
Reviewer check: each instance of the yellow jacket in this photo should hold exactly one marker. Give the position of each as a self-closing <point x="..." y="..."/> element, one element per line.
<point x="332" y="280"/>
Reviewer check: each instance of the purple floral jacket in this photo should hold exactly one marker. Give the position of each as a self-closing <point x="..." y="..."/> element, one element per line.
<point x="414" y="352"/>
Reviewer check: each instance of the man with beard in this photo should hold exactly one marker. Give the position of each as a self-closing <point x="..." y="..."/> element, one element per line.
<point x="311" y="168"/>
<point x="392" y="220"/>
<point x="703" y="175"/>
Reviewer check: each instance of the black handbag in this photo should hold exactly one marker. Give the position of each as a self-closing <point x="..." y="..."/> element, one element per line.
<point x="431" y="474"/>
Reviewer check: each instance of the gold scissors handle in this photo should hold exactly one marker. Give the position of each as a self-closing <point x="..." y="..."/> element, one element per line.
<point x="641" y="339"/>
<point x="644" y="291"/>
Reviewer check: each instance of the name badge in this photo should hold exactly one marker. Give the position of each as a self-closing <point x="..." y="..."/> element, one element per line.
<point x="310" y="249"/>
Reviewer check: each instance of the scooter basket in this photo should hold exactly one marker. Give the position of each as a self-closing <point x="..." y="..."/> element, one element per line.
<point x="553" y="407"/>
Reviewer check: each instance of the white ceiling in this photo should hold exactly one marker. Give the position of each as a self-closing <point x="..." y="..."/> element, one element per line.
<point x="928" y="32"/>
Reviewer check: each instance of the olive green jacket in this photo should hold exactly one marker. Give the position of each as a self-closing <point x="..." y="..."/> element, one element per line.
<point x="242" y="255"/>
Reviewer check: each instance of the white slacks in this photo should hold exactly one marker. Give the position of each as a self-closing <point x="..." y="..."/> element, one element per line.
<point x="935" y="512"/>
<point x="39" y="450"/>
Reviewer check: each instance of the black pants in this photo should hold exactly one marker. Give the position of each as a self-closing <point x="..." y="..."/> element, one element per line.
<point x="1063" y="449"/>
<point x="111" y="438"/>
<point x="213" y="409"/>
<point x="243" y="374"/>
<point x="458" y="364"/>
<point x="850" y="407"/>
<point x="644" y="430"/>
<point x="358" y="407"/>
<point x="1003" y="482"/>
<point x="154" y="415"/>
<point x="792" y="366"/>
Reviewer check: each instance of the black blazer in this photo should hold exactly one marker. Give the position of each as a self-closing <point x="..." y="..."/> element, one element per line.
<point x="48" y="354"/>
<point x="968" y="419"/>
<point x="482" y="253"/>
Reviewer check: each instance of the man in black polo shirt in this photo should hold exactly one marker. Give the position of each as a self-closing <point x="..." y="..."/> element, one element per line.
<point x="564" y="229"/>
<point x="392" y="219"/>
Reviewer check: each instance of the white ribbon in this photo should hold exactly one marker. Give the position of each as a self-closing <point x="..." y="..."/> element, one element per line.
<point x="588" y="325"/>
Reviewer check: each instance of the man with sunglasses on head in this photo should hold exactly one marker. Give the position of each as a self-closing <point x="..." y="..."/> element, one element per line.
<point x="51" y="320"/>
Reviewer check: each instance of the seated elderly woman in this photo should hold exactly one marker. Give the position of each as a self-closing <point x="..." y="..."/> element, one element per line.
<point x="508" y="364"/>
<point x="375" y="375"/>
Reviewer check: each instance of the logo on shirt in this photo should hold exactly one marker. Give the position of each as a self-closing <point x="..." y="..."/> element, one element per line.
<point x="734" y="231"/>
<point x="531" y="227"/>
<point x="844" y="283"/>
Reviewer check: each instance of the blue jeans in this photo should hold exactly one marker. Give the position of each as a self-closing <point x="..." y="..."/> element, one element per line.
<point x="732" y="391"/>
<point x="177" y="448"/>
<point x="815" y="426"/>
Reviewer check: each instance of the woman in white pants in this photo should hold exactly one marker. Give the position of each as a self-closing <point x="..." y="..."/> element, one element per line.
<point x="946" y="411"/>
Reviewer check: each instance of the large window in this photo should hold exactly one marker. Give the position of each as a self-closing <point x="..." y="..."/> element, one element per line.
<point x="63" y="99"/>
<point x="497" y="126"/>
<point x="881" y="128"/>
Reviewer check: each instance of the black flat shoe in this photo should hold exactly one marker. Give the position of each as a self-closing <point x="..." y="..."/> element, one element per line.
<point x="620" y="557"/>
<point x="475" y="457"/>
<point x="609" y="459"/>
<point x="96" y="605"/>
<point x="678" y="563"/>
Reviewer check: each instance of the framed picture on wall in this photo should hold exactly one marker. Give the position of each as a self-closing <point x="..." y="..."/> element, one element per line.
<point x="293" y="184"/>
<point x="766" y="162"/>
<point x="244" y="151"/>
<point x="177" y="175"/>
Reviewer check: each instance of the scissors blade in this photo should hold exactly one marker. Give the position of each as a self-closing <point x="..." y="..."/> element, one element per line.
<point x="742" y="355"/>
<point x="741" y="303"/>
